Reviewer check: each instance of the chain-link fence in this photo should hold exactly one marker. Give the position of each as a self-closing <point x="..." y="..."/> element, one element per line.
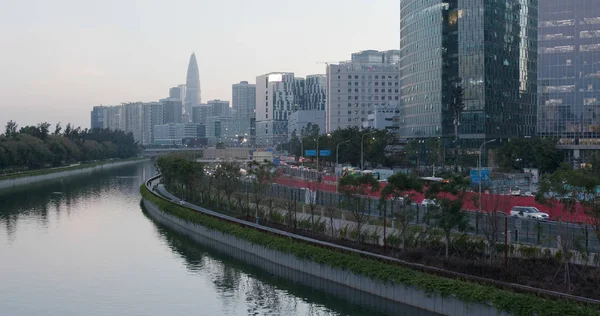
<point x="581" y="237"/>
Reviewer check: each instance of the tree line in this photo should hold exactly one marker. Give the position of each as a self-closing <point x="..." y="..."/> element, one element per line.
<point x="37" y="146"/>
<point x="374" y="145"/>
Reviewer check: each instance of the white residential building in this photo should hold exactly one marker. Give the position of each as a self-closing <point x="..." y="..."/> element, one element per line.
<point x="277" y="96"/>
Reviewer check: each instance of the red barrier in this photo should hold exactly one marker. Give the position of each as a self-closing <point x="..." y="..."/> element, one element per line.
<point x="505" y="205"/>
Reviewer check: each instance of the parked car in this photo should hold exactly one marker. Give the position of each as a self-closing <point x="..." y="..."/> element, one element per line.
<point x="528" y="193"/>
<point x="528" y="212"/>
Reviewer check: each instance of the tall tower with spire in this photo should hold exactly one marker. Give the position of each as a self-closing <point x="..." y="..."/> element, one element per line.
<point x="192" y="96"/>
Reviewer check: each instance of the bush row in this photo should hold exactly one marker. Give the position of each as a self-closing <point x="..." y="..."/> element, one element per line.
<point x="515" y="303"/>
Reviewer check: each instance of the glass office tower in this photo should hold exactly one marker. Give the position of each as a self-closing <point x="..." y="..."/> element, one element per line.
<point x="491" y="46"/>
<point x="569" y="71"/>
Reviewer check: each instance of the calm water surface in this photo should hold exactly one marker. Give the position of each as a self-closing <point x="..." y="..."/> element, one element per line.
<point x="83" y="246"/>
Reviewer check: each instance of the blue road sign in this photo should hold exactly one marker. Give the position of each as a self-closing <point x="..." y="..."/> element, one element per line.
<point x="310" y="153"/>
<point x="485" y="176"/>
<point x="325" y="153"/>
<point x="277" y="161"/>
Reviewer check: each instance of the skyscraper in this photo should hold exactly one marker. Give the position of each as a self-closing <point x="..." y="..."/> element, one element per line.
<point x="569" y="73"/>
<point x="490" y="47"/>
<point x="192" y="93"/>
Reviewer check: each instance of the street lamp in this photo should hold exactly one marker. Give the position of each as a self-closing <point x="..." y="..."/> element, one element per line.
<point x="479" y="168"/>
<point x="362" y="151"/>
<point x="337" y="159"/>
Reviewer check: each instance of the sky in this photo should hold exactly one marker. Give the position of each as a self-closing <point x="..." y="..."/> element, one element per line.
<point x="60" y="58"/>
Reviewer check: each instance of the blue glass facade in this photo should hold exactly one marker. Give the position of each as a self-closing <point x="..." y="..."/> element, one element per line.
<point x="490" y="45"/>
<point x="569" y="68"/>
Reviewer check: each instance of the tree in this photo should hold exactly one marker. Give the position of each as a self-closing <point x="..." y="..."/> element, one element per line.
<point x="356" y="189"/>
<point x="11" y="129"/>
<point x="57" y="129"/>
<point x="312" y="206"/>
<point x="262" y="175"/>
<point x="456" y="107"/>
<point x="397" y="191"/>
<point x="561" y="191"/>
<point x="330" y="211"/>
<point x="522" y="153"/>
<point x="493" y="220"/>
<point x="448" y="214"/>
<point x="227" y="176"/>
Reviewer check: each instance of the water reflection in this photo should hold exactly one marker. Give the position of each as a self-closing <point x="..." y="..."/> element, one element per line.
<point x="266" y="293"/>
<point x="81" y="246"/>
<point x="39" y="202"/>
<point x="263" y="293"/>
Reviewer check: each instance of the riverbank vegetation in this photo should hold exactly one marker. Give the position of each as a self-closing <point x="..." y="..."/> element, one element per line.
<point x="37" y="147"/>
<point x="441" y="238"/>
<point x="386" y="272"/>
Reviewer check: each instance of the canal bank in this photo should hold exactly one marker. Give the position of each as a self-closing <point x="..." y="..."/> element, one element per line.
<point x="394" y="283"/>
<point x="54" y="174"/>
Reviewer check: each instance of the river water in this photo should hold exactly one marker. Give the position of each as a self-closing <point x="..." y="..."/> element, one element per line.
<point x="83" y="246"/>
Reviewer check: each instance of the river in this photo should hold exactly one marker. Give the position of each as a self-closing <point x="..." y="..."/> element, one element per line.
<point x="83" y="246"/>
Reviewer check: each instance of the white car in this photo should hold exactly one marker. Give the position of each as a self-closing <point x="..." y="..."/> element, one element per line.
<point x="528" y="212"/>
<point x="182" y="202"/>
<point x="428" y="202"/>
<point x="515" y="191"/>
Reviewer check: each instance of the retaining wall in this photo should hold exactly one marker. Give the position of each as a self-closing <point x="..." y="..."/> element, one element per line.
<point x="11" y="183"/>
<point x="377" y="294"/>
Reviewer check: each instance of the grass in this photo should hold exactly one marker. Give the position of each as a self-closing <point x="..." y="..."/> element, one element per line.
<point x="514" y="303"/>
<point x="40" y="172"/>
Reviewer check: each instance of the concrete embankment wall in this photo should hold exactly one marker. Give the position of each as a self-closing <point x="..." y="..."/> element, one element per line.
<point x="11" y="183"/>
<point x="387" y="296"/>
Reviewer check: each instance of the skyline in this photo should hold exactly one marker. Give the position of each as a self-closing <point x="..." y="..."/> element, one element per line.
<point x="61" y="64"/>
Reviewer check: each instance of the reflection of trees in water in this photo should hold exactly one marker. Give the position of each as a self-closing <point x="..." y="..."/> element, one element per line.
<point x="38" y="201"/>
<point x="265" y="294"/>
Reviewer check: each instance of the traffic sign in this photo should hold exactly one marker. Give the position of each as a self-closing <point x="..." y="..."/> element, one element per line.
<point x="325" y="153"/>
<point x="485" y="176"/>
<point x="310" y="153"/>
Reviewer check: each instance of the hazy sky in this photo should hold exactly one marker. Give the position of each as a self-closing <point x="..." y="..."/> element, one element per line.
<point x="60" y="58"/>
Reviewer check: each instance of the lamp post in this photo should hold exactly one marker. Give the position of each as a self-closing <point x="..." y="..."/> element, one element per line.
<point x="337" y="159"/>
<point x="362" y="150"/>
<point x="479" y="168"/>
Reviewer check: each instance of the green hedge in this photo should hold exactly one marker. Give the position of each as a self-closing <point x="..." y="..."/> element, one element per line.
<point x="515" y="303"/>
<point x="55" y="170"/>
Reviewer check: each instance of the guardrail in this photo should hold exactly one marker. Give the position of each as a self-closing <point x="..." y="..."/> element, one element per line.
<point x="415" y="266"/>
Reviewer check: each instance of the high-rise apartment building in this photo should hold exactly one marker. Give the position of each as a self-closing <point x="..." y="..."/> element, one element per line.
<point x="569" y="73"/>
<point x="276" y="98"/>
<point x="243" y="99"/>
<point x="132" y="119"/>
<point x="489" y="47"/>
<point x="174" y="93"/>
<point x="172" y="110"/>
<point x="106" y="117"/>
<point x="219" y="108"/>
<point x="356" y="87"/>
<point x="315" y="93"/>
<point x="200" y="113"/>
<point x="243" y="104"/>
<point x="99" y="117"/>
